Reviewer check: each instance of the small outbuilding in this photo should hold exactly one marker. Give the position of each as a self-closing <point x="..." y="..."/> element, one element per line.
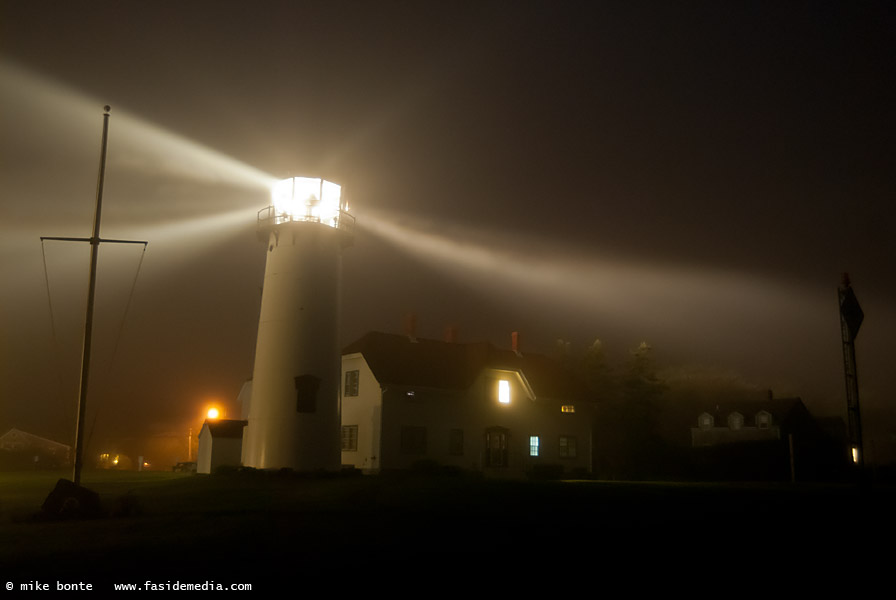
<point x="220" y="444"/>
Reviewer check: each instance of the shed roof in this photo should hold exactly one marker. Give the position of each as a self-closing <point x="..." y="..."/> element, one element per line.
<point x="225" y="428"/>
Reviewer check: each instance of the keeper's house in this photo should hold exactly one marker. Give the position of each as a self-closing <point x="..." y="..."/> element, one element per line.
<point x="407" y="401"/>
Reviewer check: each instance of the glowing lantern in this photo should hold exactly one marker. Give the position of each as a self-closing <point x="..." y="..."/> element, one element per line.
<point x="308" y="199"/>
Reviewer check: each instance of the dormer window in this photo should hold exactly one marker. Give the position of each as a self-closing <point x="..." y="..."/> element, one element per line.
<point x="503" y="391"/>
<point x="735" y="421"/>
<point x="705" y="421"/>
<point x="763" y="419"/>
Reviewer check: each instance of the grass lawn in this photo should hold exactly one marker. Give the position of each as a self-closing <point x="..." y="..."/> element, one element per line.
<point x="266" y="528"/>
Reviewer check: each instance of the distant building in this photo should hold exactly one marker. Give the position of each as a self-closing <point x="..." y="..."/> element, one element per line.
<point x="220" y="444"/>
<point x="726" y="423"/>
<point x="776" y="438"/>
<point x="407" y="401"/>
<point x="21" y="449"/>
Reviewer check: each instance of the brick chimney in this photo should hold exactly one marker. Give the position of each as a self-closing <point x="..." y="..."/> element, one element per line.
<point x="515" y="342"/>
<point x="451" y="334"/>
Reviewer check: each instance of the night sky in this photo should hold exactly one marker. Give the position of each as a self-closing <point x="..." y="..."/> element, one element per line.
<point x="696" y="175"/>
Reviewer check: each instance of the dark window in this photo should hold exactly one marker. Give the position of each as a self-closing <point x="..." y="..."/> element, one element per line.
<point x="351" y="383"/>
<point x="567" y="446"/>
<point x="306" y="393"/>
<point x="456" y="442"/>
<point x="413" y="440"/>
<point x="349" y="438"/>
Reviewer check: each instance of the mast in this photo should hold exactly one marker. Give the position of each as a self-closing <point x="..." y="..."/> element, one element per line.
<point x="94" y="242"/>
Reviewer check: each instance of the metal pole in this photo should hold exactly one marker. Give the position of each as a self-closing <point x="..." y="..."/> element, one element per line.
<point x="91" y="294"/>
<point x="851" y="317"/>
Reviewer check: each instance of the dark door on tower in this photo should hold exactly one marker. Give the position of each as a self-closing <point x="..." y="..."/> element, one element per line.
<point x="496" y="447"/>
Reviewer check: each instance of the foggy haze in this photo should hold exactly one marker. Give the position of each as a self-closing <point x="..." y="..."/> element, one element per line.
<point x="695" y="176"/>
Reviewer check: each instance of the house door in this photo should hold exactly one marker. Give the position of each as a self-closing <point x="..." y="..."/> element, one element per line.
<point x="496" y="447"/>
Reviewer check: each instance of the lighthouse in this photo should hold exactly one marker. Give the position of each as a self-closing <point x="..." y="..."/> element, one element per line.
<point x="294" y="416"/>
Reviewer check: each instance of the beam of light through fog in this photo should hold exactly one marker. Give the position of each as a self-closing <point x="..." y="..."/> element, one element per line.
<point x="199" y="199"/>
<point x="58" y="124"/>
<point x="652" y="298"/>
<point x="194" y="235"/>
<point x="139" y="145"/>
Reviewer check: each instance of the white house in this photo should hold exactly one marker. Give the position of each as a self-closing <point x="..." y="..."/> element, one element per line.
<point x="473" y="406"/>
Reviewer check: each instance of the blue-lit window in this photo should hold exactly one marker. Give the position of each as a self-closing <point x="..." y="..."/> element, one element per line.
<point x="534" y="445"/>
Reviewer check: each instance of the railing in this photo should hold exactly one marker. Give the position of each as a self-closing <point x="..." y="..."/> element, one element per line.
<point x="267" y="217"/>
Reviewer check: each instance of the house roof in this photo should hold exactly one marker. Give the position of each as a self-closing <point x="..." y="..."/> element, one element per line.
<point x="17" y="435"/>
<point x="397" y="360"/>
<point x="226" y="428"/>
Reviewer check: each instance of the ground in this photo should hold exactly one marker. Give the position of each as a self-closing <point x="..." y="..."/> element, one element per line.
<point x="266" y="528"/>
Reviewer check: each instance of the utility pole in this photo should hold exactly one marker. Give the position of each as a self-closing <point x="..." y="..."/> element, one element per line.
<point x="94" y="242"/>
<point x="851" y="317"/>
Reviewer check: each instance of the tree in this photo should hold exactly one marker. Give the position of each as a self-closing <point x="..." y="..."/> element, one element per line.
<point x="594" y="370"/>
<point x="640" y="395"/>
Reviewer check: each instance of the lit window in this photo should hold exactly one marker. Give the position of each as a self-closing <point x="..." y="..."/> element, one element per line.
<point x="351" y="383"/>
<point x="349" y="438"/>
<point x="533" y="445"/>
<point x="504" y="391"/>
<point x="567" y="446"/>
<point x="855" y="455"/>
<point x="568" y="408"/>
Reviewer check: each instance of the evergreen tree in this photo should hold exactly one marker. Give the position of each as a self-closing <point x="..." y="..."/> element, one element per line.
<point x="640" y="395"/>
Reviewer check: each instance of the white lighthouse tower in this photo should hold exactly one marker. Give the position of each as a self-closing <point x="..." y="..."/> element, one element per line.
<point x="294" y="416"/>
